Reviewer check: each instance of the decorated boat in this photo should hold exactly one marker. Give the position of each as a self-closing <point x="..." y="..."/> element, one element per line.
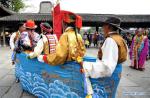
<point x="65" y="80"/>
<point x="62" y="81"/>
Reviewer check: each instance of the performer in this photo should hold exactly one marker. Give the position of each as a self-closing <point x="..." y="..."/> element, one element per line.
<point x="47" y="43"/>
<point x="70" y="46"/>
<point x="112" y="54"/>
<point x="139" y="50"/>
<point x="29" y="37"/>
<point x="149" y="42"/>
<point x="145" y="35"/>
<point x="14" y="39"/>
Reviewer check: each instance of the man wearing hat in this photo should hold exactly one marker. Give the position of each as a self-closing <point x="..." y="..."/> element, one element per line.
<point x="47" y="43"/>
<point x="111" y="55"/>
<point x="70" y="46"/>
<point x="14" y="39"/>
<point x="29" y="37"/>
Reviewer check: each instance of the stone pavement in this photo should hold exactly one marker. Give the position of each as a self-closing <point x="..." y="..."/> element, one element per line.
<point x="133" y="84"/>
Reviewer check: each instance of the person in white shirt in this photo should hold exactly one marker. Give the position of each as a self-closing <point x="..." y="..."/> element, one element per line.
<point x="14" y="39"/>
<point x="47" y="43"/>
<point x="111" y="55"/>
<point x="14" y="44"/>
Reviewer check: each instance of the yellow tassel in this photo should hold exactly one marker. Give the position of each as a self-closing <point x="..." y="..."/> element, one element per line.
<point x="88" y="96"/>
<point x="79" y="59"/>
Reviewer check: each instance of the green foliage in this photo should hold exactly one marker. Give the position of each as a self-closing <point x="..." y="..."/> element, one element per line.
<point x="14" y="5"/>
<point x="17" y="5"/>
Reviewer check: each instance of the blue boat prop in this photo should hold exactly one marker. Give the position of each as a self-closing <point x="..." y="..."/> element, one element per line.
<point x="62" y="81"/>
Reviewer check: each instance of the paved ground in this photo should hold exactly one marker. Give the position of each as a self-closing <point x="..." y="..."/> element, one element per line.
<point x="134" y="84"/>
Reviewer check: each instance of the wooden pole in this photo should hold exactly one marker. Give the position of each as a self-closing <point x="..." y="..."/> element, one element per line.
<point x="97" y="28"/>
<point x="0" y="37"/>
<point x="0" y="40"/>
<point x="4" y="39"/>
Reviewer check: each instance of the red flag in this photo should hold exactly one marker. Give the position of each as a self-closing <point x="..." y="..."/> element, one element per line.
<point x="78" y="21"/>
<point x="57" y="21"/>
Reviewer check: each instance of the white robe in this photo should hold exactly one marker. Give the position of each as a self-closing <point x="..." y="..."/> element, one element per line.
<point x="11" y="42"/>
<point x="106" y="66"/>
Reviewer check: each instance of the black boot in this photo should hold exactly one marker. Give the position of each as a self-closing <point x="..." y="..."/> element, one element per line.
<point x="13" y="63"/>
<point x="17" y="80"/>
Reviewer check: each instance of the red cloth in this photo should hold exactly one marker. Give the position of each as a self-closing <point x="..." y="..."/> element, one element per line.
<point x="59" y="16"/>
<point x="57" y="21"/>
<point x="45" y="58"/>
<point x="45" y="29"/>
<point x="78" y="21"/>
<point x="70" y="17"/>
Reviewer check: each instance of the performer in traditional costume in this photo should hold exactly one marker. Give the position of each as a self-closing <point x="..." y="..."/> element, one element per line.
<point x="14" y="44"/>
<point x="29" y="37"/>
<point x="47" y="43"/>
<point x="14" y="40"/>
<point x="70" y="46"/>
<point x="112" y="54"/>
<point x="139" y="50"/>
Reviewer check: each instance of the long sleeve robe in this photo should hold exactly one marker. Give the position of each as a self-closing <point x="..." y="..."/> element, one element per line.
<point x="12" y="40"/>
<point x="106" y="66"/>
<point x="67" y="49"/>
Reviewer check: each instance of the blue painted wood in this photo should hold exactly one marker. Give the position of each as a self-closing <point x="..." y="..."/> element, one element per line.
<point x="61" y="81"/>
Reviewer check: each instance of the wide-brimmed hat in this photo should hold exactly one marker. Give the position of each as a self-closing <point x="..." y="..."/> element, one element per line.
<point x="114" y="22"/>
<point x="30" y="24"/>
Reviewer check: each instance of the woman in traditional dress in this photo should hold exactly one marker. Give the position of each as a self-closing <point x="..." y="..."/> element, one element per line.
<point x="47" y="43"/>
<point x="139" y="50"/>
